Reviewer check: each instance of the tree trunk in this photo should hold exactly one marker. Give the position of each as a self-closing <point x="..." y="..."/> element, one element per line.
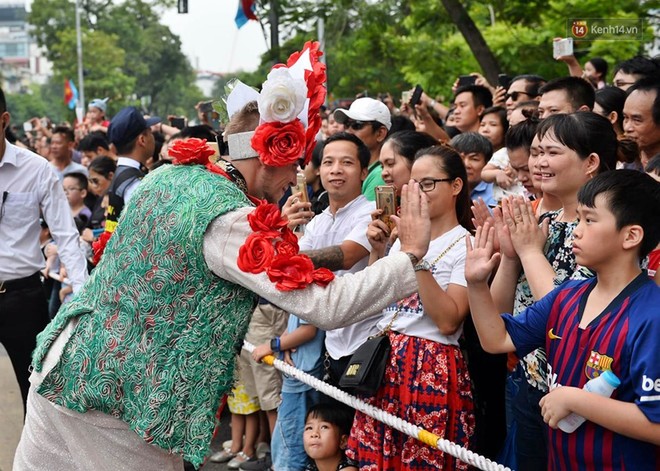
<point x="274" y="20"/>
<point x="475" y="40"/>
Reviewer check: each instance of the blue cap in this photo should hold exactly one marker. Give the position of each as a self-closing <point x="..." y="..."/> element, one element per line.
<point x="100" y="104"/>
<point x="127" y="125"/>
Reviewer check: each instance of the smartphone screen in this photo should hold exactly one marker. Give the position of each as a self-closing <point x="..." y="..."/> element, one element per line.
<point x="416" y="96"/>
<point x="27" y="126"/>
<point x="464" y="80"/>
<point x="178" y="123"/>
<point x="504" y="81"/>
<point x="563" y="47"/>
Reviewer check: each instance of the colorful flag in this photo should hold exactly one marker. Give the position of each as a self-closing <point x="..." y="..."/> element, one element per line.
<point x="245" y="12"/>
<point x="70" y="94"/>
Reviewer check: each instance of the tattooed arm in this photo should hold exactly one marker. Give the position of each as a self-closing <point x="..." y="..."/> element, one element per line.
<point x="338" y="257"/>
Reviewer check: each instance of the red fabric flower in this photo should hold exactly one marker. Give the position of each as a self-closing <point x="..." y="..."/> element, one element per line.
<point x="266" y="217"/>
<point x="322" y="276"/>
<point x="256" y="254"/>
<point x="290" y="273"/>
<point x="191" y="151"/>
<point x="286" y="248"/>
<point x="289" y="236"/>
<point x="98" y="246"/>
<point x="279" y="144"/>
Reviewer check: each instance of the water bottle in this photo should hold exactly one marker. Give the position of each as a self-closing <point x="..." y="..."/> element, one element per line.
<point x="604" y="385"/>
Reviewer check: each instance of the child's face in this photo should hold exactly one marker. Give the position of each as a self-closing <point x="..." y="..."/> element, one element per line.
<point x="596" y="237"/>
<point x="322" y="440"/>
<point x="74" y="194"/>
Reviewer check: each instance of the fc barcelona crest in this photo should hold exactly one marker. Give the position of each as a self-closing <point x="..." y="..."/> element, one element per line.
<point x="597" y="364"/>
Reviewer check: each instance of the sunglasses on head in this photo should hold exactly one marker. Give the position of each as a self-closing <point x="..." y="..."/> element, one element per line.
<point x="515" y="95"/>
<point x="357" y="125"/>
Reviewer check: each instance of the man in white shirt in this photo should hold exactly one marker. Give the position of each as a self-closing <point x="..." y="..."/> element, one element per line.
<point x="337" y="238"/>
<point x="134" y="142"/>
<point x="28" y="187"/>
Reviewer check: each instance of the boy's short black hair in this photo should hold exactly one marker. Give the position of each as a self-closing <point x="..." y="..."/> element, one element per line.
<point x="633" y="197"/>
<point x="80" y="178"/>
<point x="364" y="156"/>
<point x="334" y="413"/>
<point x="472" y="142"/>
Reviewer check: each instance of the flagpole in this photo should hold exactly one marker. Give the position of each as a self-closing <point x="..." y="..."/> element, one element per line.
<point x="81" y="82"/>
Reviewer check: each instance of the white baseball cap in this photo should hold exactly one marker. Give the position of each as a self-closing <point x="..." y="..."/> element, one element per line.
<point x="365" y="109"/>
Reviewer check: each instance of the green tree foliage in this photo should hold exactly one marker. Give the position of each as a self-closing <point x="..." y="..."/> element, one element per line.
<point x="391" y="45"/>
<point x="127" y="54"/>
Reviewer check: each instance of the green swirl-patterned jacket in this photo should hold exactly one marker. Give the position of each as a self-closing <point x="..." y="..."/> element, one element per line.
<point x="158" y="332"/>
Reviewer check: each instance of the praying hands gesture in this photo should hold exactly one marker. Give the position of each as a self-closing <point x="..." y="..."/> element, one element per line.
<point x="526" y="236"/>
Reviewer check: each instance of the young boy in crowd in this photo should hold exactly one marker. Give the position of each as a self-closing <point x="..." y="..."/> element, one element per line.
<point x="475" y="151"/>
<point x="327" y="427"/>
<point x="75" y="188"/>
<point x="590" y="326"/>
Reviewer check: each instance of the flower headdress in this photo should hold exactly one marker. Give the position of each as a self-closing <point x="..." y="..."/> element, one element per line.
<point x="289" y="105"/>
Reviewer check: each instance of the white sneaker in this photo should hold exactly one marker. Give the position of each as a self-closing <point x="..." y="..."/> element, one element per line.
<point x="238" y="460"/>
<point x="262" y="449"/>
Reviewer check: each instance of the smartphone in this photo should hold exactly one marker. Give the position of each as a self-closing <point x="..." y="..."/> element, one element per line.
<point x="27" y="126"/>
<point x="406" y="96"/>
<point x="178" y="123"/>
<point x="563" y="47"/>
<point x="206" y="107"/>
<point x="97" y="232"/>
<point x="301" y="187"/>
<point x="386" y="200"/>
<point x="504" y="80"/>
<point x="416" y="96"/>
<point x="465" y="80"/>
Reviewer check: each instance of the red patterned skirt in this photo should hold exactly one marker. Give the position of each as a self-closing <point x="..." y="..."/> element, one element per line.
<point x="427" y="384"/>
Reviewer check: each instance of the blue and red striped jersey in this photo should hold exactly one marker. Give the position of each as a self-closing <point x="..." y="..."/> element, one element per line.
<point x="624" y="337"/>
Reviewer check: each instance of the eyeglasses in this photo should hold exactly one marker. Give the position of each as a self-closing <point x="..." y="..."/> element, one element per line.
<point x="69" y="190"/>
<point x="357" y="125"/>
<point x="428" y="184"/>
<point x="620" y="83"/>
<point x="515" y="95"/>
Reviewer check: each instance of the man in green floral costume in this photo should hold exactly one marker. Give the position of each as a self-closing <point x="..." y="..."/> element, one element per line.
<point x="129" y="375"/>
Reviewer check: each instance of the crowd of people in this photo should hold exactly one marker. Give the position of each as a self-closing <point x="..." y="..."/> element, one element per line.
<point x="524" y="257"/>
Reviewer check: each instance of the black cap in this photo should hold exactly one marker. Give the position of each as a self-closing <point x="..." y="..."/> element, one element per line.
<point x="127" y="125"/>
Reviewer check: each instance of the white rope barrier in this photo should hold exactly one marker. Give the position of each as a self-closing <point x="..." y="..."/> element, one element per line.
<point x="401" y="425"/>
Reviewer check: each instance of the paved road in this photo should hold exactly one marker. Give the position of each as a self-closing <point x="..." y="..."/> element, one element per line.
<point x="11" y="419"/>
<point x="11" y="412"/>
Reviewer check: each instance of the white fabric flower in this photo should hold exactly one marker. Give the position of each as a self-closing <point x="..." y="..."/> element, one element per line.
<point x="282" y="97"/>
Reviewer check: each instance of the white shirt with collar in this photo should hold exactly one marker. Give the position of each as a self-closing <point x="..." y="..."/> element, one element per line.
<point x="326" y="230"/>
<point x="73" y="167"/>
<point x="128" y="162"/>
<point x="28" y="186"/>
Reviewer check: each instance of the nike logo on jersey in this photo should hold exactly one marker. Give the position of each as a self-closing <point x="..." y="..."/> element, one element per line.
<point x="552" y="336"/>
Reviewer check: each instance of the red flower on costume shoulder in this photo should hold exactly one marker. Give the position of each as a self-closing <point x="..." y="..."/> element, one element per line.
<point x="289" y="236"/>
<point x="98" y="246"/>
<point x="266" y="217"/>
<point x="279" y="144"/>
<point x="191" y="151"/>
<point x="322" y="276"/>
<point x="290" y="273"/>
<point x="256" y="254"/>
<point x="286" y="248"/>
